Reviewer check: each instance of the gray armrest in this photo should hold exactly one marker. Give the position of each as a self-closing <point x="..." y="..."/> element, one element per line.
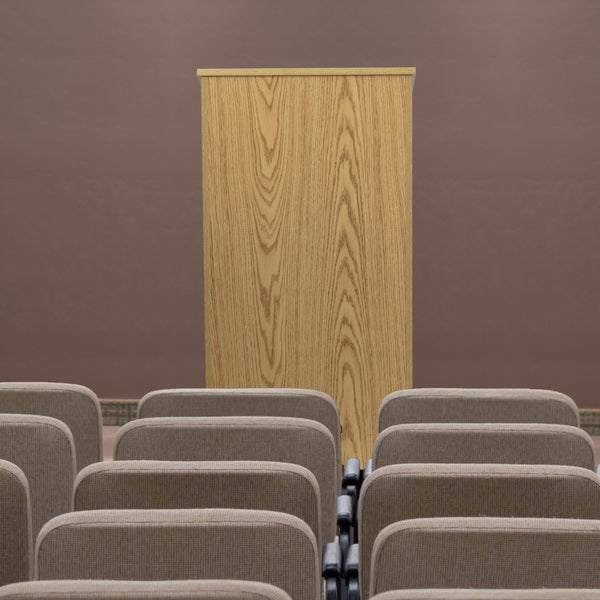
<point x="345" y="521"/>
<point x="345" y="510"/>
<point x="351" y="473"/>
<point x="351" y="564"/>
<point x="351" y="572"/>
<point x="332" y="570"/>
<point x="332" y="559"/>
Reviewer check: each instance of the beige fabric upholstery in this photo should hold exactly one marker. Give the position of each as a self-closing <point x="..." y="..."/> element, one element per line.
<point x="251" y="402"/>
<point x="452" y="594"/>
<point x="43" y="449"/>
<point x="398" y="492"/>
<point x="481" y="552"/>
<point x="456" y="405"/>
<point x="75" y="405"/>
<point x="484" y="443"/>
<point x="298" y="441"/>
<point x="281" y="487"/>
<point x="209" y="589"/>
<point x="16" y="550"/>
<point x="159" y="545"/>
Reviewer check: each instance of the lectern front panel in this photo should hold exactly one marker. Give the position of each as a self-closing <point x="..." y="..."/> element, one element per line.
<point x="307" y="183"/>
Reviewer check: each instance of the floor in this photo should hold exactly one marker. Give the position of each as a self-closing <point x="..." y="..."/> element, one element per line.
<point x="111" y="432"/>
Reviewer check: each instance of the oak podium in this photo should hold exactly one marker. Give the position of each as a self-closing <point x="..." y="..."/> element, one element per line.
<point x="307" y="186"/>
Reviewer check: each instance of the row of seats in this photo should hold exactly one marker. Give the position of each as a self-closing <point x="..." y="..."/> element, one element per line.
<point x="78" y="407"/>
<point x="300" y="441"/>
<point x="140" y="477"/>
<point x="415" y="495"/>
<point x="43" y="449"/>
<point x="259" y="438"/>
<point x="281" y="549"/>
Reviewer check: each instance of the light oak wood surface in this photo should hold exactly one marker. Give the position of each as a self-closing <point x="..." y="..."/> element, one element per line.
<point x="307" y="184"/>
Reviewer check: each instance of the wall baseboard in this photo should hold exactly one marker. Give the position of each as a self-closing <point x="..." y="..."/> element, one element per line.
<point x="118" y="412"/>
<point x="590" y="420"/>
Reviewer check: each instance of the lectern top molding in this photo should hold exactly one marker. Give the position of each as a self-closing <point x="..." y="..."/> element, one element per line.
<point x="305" y="72"/>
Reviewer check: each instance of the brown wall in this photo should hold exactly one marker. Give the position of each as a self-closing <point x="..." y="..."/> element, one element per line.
<point x="100" y="181"/>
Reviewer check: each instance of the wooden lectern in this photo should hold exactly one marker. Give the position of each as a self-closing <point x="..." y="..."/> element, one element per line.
<point x="307" y="183"/>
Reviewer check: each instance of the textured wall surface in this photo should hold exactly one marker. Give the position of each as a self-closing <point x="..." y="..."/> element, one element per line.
<point x="100" y="180"/>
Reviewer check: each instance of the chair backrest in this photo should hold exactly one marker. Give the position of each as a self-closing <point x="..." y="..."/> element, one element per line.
<point x="465" y="594"/>
<point x="515" y="443"/>
<point x="481" y="552"/>
<point x="42" y="447"/>
<point x="471" y="405"/>
<point x="399" y="492"/>
<point x="208" y="589"/>
<point x="298" y="441"/>
<point x="16" y="550"/>
<point x="252" y="545"/>
<point x="261" y="485"/>
<point x="244" y="402"/>
<point x="75" y="405"/>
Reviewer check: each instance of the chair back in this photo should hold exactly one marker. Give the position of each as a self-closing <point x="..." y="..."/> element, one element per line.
<point x="510" y="443"/>
<point x="209" y="589"/>
<point x="16" y="552"/>
<point x="482" y="552"/>
<point x="244" y="402"/>
<point x="260" y="485"/>
<point x="410" y="491"/>
<point x="75" y="405"/>
<point x="280" y="439"/>
<point x="159" y="545"/>
<point x="470" y="405"/>
<point x="465" y="594"/>
<point x="42" y="447"/>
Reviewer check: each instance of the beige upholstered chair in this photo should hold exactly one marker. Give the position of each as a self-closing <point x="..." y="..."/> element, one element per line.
<point x="481" y="552"/>
<point x="253" y="545"/>
<point x="298" y="441"/>
<point x="209" y="589"/>
<point x="281" y="487"/>
<point x="75" y="405"/>
<point x="250" y="402"/>
<point x="42" y="447"/>
<point x="456" y="405"/>
<point x="464" y="594"/>
<point x="16" y="552"/>
<point x="484" y="443"/>
<point x="409" y="491"/>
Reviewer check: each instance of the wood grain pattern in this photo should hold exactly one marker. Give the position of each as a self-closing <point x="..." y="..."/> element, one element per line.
<point x="308" y="238"/>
